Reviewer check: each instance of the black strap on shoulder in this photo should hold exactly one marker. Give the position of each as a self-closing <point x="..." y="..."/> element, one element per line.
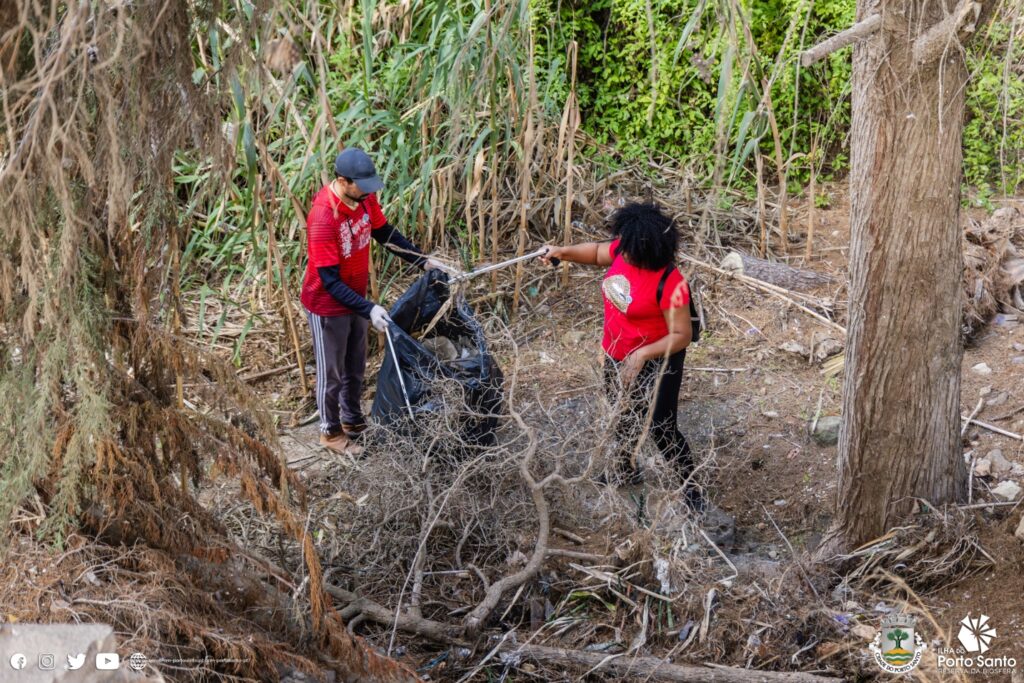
<point x="694" y="314"/>
<point x="664" y="278"/>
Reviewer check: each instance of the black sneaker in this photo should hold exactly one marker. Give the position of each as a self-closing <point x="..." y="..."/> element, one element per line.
<point x="695" y="499"/>
<point x="684" y="470"/>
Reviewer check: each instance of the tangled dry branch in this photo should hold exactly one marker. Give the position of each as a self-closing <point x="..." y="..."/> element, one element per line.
<point x="97" y="99"/>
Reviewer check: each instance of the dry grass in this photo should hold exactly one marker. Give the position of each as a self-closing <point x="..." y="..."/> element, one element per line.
<point x="97" y="100"/>
<point x="151" y="605"/>
<point x="414" y="537"/>
<point x="993" y="268"/>
<point x="123" y="420"/>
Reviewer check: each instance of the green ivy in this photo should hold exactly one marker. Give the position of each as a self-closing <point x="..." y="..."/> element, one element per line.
<point x="994" y="130"/>
<point x="615" y="90"/>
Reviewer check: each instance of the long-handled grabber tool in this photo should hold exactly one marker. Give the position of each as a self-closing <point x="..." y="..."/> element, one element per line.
<point x="398" y="371"/>
<point x="498" y="266"/>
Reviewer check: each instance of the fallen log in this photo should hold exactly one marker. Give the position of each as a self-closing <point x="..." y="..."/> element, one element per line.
<point x="774" y="290"/>
<point x="656" y="669"/>
<point x="622" y="666"/>
<point x="778" y="274"/>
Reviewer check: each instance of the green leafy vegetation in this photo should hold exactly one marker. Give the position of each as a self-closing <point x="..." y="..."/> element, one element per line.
<point x="714" y="59"/>
<point x="439" y="92"/>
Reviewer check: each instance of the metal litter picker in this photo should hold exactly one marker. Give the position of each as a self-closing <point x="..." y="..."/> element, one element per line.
<point x="398" y="370"/>
<point x="419" y="295"/>
<point x="498" y="266"/>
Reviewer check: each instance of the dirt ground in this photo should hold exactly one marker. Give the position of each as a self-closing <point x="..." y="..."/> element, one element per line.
<point x="750" y="392"/>
<point x="747" y="402"/>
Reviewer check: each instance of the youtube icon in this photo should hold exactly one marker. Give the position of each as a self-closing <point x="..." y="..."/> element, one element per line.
<point x="108" y="661"/>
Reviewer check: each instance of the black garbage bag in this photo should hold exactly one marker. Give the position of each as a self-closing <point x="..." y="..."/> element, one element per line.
<point x="454" y="349"/>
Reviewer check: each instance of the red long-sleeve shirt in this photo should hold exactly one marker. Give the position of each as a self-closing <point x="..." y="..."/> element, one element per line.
<point x="338" y="235"/>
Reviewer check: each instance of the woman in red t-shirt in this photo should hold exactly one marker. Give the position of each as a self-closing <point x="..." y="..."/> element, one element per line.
<point x="646" y="325"/>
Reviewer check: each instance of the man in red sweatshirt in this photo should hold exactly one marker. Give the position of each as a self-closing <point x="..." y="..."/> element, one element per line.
<point x="344" y="216"/>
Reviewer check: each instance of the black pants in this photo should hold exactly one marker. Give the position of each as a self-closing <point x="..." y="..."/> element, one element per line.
<point x="647" y="396"/>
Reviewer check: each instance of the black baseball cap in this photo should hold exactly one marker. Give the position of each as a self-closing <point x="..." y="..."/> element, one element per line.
<point x="356" y="164"/>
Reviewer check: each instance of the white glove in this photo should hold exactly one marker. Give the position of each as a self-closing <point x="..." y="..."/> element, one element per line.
<point x="379" y="318"/>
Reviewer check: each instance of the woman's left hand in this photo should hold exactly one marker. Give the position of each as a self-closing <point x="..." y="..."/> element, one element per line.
<point x="630" y="368"/>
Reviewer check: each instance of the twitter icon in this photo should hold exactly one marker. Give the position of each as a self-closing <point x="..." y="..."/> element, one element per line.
<point x="75" y="661"/>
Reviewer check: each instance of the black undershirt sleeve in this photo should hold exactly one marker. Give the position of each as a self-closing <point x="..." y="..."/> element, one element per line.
<point x="397" y="244"/>
<point x="345" y="295"/>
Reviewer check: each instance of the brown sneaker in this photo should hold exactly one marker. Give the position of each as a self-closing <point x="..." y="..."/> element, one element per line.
<point x="336" y="441"/>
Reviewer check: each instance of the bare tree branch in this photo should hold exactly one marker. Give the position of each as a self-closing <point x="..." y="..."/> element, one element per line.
<point x="859" y="31"/>
<point x="648" y="668"/>
<point x="657" y="669"/>
<point x="931" y="44"/>
<point x="475" y="619"/>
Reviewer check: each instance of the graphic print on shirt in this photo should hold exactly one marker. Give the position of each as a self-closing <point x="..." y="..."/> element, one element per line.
<point x="357" y="230"/>
<point x="616" y="288"/>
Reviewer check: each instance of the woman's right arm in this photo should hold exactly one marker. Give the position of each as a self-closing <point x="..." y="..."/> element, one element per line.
<point x="587" y="253"/>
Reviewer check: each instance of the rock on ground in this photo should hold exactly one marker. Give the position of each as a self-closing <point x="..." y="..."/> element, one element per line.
<point x="1000" y="465"/>
<point x="1007" y="490"/>
<point x="982" y="467"/>
<point x="826" y="432"/>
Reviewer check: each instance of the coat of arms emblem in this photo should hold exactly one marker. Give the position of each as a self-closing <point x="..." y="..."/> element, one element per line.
<point x="898" y="647"/>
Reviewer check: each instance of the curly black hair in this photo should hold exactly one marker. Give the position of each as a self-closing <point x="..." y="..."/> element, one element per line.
<point x="648" y="237"/>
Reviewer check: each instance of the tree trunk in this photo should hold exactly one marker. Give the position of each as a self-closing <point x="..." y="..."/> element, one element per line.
<point x="901" y="399"/>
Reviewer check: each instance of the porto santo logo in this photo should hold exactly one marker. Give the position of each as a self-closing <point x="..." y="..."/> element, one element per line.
<point x="897" y="647"/>
<point x="976" y="637"/>
<point x="975" y="634"/>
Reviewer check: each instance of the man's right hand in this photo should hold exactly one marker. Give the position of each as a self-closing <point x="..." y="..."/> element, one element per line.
<point x="379" y="318"/>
